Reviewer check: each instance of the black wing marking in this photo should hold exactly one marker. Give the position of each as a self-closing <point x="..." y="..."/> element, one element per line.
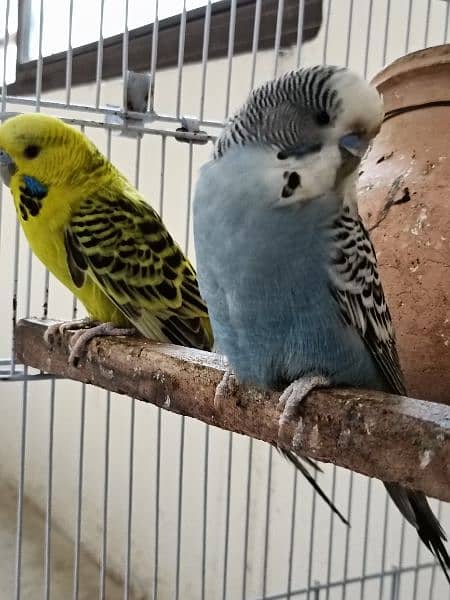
<point x="125" y="248"/>
<point x="357" y="288"/>
<point x="358" y="291"/>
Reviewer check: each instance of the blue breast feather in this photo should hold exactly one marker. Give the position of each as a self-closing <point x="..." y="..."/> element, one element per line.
<point x="264" y="275"/>
<point x="33" y="187"/>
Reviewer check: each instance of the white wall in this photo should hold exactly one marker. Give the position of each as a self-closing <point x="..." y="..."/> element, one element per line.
<point x="67" y="395"/>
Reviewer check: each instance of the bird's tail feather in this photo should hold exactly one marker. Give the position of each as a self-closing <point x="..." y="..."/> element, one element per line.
<point x="297" y="462"/>
<point x="415" y="508"/>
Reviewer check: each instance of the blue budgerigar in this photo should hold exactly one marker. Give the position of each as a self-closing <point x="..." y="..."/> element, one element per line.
<point x="285" y="264"/>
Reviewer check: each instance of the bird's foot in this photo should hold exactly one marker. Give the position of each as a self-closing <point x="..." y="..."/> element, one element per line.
<point x="225" y="389"/>
<point x="81" y="338"/>
<point x="54" y="333"/>
<point x="294" y="395"/>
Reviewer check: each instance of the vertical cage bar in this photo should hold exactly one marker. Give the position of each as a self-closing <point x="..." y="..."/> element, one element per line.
<point x="183" y="419"/>
<point x="154" y="58"/>
<point x="206" y="32"/>
<point x="247" y="516"/>
<point x="386" y="31"/>
<point x="256" y="25"/>
<point x="21" y="489"/>
<point x="349" y="34"/>
<point x="312" y="531"/>
<point x="366" y="537"/>
<point x="205" y="512"/>
<point x="15" y="286"/>
<point x="40" y="60"/>
<point x="230" y="54"/>
<point x="299" y="43"/>
<point x="347" y="536"/>
<point x="368" y="32"/>
<point x="46" y="294"/>
<point x="126" y="583"/>
<point x="267" y="523"/>
<point x="326" y="33"/>
<point x="447" y="17"/>
<point x="408" y="26"/>
<point x="180" y="508"/>
<point x="383" y="551"/>
<point x="435" y="566"/>
<point x="69" y="56"/>
<point x="181" y="42"/>
<point x="157" y="502"/>
<point x="427" y="25"/>
<point x="395" y="585"/>
<point x="401" y="556"/>
<point x="99" y="66"/>
<point x="48" y="510"/>
<point x="189" y="200"/>
<point x="227" y="516"/>
<point x="278" y="31"/>
<point x="331" y="534"/>
<point x="417" y="571"/>
<point x="162" y="175"/>
<point x="104" y="549"/>
<point x="3" y="96"/>
<point x="292" y="530"/>
<point x="5" y="55"/>
<point x="159" y="413"/>
<point x="125" y="37"/>
<point x="76" y="562"/>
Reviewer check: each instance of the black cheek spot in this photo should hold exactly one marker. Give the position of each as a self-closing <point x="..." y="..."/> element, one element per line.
<point x="294" y="180"/>
<point x="24" y="213"/>
<point x="286" y="192"/>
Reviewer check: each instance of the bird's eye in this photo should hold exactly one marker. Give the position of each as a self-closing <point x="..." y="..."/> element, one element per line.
<point x="322" y="118"/>
<point x="31" y="151"/>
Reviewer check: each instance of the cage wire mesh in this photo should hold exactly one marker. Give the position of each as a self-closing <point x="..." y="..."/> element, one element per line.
<point x="106" y="497"/>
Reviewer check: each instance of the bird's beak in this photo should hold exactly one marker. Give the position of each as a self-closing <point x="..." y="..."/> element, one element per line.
<point x="7" y="167"/>
<point x="355" y="144"/>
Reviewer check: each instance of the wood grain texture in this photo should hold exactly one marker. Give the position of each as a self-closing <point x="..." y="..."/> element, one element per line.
<point x="389" y="437"/>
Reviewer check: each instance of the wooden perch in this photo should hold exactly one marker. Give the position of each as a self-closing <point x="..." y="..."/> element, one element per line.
<point x="389" y="437"/>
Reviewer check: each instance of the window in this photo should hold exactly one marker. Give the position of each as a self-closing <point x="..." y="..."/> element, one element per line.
<point x="8" y="33"/>
<point x="86" y="39"/>
<point x="89" y="17"/>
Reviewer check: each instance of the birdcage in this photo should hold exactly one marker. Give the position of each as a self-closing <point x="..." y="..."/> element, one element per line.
<point x="105" y="496"/>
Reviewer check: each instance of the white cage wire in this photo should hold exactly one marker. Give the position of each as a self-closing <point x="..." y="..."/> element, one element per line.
<point x="103" y="496"/>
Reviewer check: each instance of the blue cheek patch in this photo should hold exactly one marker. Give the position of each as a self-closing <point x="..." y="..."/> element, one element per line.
<point x="34" y="188"/>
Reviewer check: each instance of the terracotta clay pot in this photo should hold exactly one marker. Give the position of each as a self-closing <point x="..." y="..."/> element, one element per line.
<point x="404" y="199"/>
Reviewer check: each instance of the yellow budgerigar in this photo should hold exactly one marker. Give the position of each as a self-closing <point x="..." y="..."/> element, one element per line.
<point x="93" y="230"/>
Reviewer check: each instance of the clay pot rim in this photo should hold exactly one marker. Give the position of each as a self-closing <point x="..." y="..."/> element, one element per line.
<point x="408" y="64"/>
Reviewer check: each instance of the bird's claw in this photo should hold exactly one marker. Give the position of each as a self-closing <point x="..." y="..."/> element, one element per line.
<point x="226" y="388"/>
<point x="54" y="333"/>
<point x="81" y="338"/>
<point x="294" y="395"/>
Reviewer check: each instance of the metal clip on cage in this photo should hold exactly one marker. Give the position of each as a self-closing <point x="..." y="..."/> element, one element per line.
<point x="133" y="114"/>
<point x="191" y="125"/>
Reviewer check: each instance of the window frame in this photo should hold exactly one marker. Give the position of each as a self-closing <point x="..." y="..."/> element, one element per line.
<point x="84" y="58"/>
